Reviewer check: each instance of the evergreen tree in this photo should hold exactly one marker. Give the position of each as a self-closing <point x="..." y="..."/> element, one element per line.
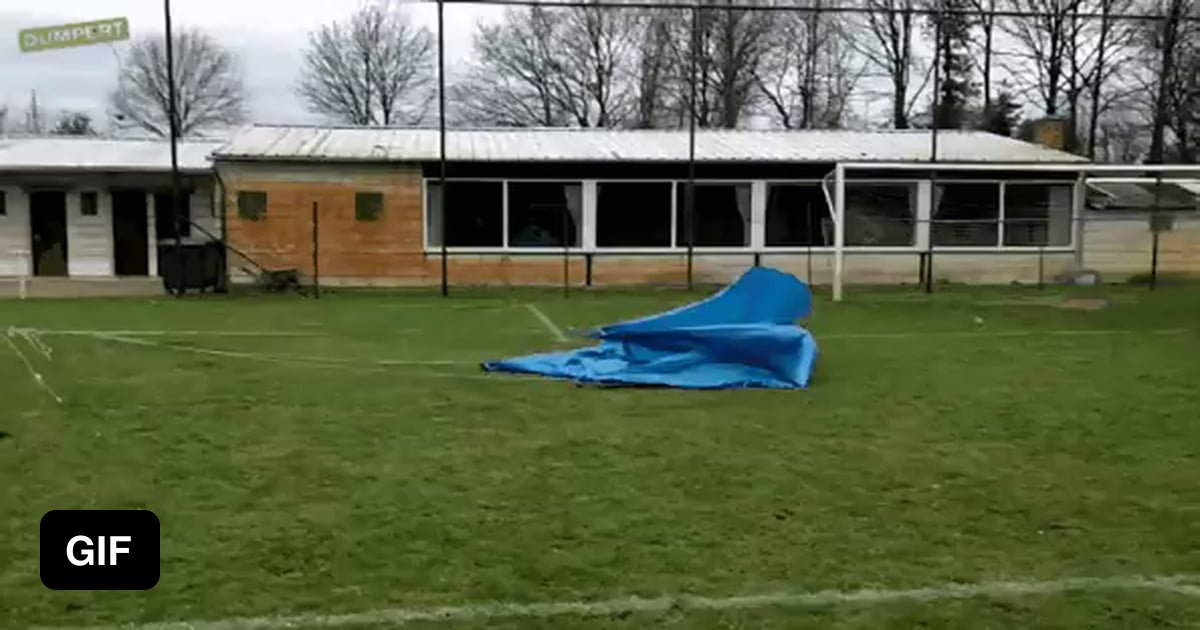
<point x="1002" y="115"/>
<point x="955" y="89"/>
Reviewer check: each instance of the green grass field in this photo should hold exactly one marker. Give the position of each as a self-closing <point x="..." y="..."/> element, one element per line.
<point x="298" y="475"/>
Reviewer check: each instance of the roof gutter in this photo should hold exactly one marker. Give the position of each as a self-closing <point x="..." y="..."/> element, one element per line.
<point x="1084" y="166"/>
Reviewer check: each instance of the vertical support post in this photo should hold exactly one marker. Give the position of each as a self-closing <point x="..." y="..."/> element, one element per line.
<point x="689" y="200"/>
<point x="1154" y="229"/>
<point x="933" y="141"/>
<point x="224" y="205"/>
<point x="1154" y="260"/>
<point x="441" y="37"/>
<point x="839" y="238"/>
<point x="808" y="221"/>
<point x="1042" y="266"/>
<point x="566" y="245"/>
<point x="934" y="202"/>
<point x="26" y="272"/>
<point x="151" y="235"/>
<point x="587" y="259"/>
<point x="937" y="80"/>
<point x="173" y="125"/>
<point x="316" y="249"/>
<point x="1078" y="196"/>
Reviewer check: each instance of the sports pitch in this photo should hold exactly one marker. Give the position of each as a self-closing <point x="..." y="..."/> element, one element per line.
<point x="977" y="458"/>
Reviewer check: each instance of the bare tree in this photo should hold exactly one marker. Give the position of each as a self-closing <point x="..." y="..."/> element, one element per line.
<point x="373" y="69"/>
<point x="1042" y="46"/>
<point x="890" y="25"/>
<point x="1175" y="46"/>
<point x="1066" y="63"/>
<point x="655" y="72"/>
<point x="208" y="86"/>
<point x="1122" y="136"/>
<point x="3" y="119"/>
<point x="731" y="45"/>
<point x="551" y="67"/>
<point x="986" y="22"/>
<point x="809" y="72"/>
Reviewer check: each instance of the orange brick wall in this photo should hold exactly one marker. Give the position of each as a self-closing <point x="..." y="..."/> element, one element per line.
<point x="387" y="251"/>
<point x="389" y="246"/>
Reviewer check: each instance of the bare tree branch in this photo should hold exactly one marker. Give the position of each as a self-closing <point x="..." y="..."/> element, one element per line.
<point x="889" y="47"/>
<point x="373" y="69"/>
<point x="209" y="88"/>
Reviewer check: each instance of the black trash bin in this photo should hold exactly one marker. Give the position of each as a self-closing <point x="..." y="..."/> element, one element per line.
<point x="194" y="266"/>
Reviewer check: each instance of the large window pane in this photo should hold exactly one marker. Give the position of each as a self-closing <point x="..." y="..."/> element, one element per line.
<point x="474" y="214"/>
<point x="722" y="213"/>
<point x="633" y="214"/>
<point x="540" y="212"/>
<point x="798" y="214"/>
<point x="1037" y="214"/>
<point x="966" y="214"/>
<point x="880" y="214"/>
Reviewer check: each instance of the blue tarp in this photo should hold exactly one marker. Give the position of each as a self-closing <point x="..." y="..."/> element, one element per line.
<point x="744" y="336"/>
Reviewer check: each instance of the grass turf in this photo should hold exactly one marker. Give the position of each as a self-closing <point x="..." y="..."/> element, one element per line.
<point x="288" y="487"/>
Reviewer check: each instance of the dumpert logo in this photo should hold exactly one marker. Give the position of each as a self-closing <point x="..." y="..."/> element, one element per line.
<point x="93" y="550"/>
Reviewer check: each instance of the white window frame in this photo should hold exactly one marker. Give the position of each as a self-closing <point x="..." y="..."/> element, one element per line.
<point x="710" y="249"/>
<point x="468" y="249"/>
<point x="549" y="248"/>
<point x="758" y="187"/>
<point x="791" y="249"/>
<point x="883" y="249"/>
<point x="1000" y="247"/>
<point x="999" y="215"/>
<point x="653" y="249"/>
<point x="1057" y="249"/>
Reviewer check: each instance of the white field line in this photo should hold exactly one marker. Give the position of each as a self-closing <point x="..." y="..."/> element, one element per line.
<point x="1083" y="332"/>
<point x="819" y="599"/>
<point x="37" y="376"/>
<point x="32" y="337"/>
<point x="277" y="357"/>
<point x="373" y="365"/>
<point x="181" y="333"/>
<point x="547" y="322"/>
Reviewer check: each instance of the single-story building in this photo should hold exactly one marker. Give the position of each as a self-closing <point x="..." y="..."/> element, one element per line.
<point x="93" y="209"/>
<point x="528" y="206"/>
<point x="614" y="201"/>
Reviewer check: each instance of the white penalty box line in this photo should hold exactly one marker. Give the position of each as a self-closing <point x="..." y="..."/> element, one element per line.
<point x="1182" y="584"/>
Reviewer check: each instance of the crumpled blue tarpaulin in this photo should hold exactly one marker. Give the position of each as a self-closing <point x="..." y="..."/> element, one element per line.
<point x="744" y="336"/>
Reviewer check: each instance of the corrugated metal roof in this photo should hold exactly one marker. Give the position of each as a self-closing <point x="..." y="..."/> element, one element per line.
<point x="92" y="154"/>
<point x="587" y="145"/>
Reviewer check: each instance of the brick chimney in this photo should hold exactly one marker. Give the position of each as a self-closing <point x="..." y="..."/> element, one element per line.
<point x="1050" y="132"/>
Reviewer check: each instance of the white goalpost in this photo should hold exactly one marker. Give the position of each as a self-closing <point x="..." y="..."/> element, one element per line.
<point x="925" y="176"/>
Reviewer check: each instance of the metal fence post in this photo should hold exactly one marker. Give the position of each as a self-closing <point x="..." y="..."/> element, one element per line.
<point x="1154" y="258"/>
<point x="1042" y="266"/>
<point x="566" y="241"/>
<point x="316" y="262"/>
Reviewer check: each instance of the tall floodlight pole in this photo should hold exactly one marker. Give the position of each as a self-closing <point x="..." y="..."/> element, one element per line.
<point x="689" y="195"/>
<point x="173" y="125"/>
<point x="937" y="79"/>
<point x="442" y="137"/>
<point x="933" y="156"/>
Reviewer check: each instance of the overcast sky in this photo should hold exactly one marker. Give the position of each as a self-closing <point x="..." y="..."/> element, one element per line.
<point x="267" y="35"/>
